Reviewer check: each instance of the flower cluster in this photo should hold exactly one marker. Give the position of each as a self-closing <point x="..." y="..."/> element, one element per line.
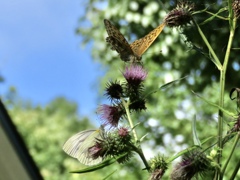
<point x="118" y="92"/>
<point x="118" y="140"/>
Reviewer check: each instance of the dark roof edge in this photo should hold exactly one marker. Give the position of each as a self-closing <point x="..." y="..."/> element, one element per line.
<point x="18" y="143"/>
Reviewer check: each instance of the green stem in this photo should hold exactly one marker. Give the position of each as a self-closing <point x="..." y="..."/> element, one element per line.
<point x="230" y="156"/>
<point x="136" y="149"/>
<point x="222" y="88"/>
<point x="126" y="106"/>
<point x="140" y="153"/>
<point x="235" y="171"/>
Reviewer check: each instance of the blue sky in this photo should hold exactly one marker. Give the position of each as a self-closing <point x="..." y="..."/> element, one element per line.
<point x="41" y="55"/>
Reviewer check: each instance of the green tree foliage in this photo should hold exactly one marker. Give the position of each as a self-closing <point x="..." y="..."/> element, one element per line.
<point x="45" y="129"/>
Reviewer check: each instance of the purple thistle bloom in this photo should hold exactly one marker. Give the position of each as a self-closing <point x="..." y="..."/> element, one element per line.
<point x="123" y="132"/>
<point x="110" y="114"/>
<point x="135" y="74"/>
<point x="95" y="151"/>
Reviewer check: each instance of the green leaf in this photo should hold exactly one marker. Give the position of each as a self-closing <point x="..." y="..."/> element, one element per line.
<point x="105" y="163"/>
<point x="217" y="106"/>
<point x="214" y="15"/>
<point x="181" y="153"/>
<point x="194" y="132"/>
<point x="110" y="174"/>
<point x="163" y="87"/>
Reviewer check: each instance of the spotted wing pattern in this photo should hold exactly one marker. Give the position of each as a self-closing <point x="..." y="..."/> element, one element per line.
<point x="130" y="52"/>
<point x="141" y="45"/>
<point x="119" y="43"/>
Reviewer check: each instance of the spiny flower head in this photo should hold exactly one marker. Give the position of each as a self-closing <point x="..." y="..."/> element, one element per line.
<point x="158" y="166"/>
<point x="123" y="132"/>
<point x="137" y="105"/>
<point x="135" y="74"/>
<point x="114" y="90"/>
<point x="181" y="15"/>
<point x="192" y="164"/>
<point x="111" y="115"/>
<point x="118" y="142"/>
<point x="97" y="150"/>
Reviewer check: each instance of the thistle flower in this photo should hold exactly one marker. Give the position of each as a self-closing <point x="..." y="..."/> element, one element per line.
<point x="134" y="75"/>
<point x="236" y="8"/>
<point x="123" y="132"/>
<point x="191" y="165"/>
<point x="114" y="90"/>
<point x="96" y="151"/>
<point x="181" y="15"/>
<point x="158" y="166"/>
<point x="110" y="114"/>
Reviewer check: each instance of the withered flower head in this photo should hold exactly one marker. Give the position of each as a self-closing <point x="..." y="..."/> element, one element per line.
<point x="236" y="8"/>
<point x="181" y="15"/>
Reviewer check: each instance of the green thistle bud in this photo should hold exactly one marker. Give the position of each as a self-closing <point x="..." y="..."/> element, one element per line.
<point x="158" y="166"/>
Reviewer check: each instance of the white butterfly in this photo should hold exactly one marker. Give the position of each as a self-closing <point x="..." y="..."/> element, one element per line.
<point x="77" y="146"/>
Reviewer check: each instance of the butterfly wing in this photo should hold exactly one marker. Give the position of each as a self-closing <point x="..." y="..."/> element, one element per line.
<point x="118" y="42"/>
<point x="77" y="146"/>
<point x="141" y="45"/>
<point x="83" y="156"/>
<point x="115" y="33"/>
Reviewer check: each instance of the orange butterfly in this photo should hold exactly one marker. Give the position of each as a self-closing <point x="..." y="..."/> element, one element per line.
<point x="130" y="52"/>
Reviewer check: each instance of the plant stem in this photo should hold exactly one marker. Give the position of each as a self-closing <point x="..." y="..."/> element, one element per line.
<point x="140" y="153"/>
<point x="136" y="149"/>
<point x="230" y="156"/>
<point x="222" y="88"/>
<point x="126" y="106"/>
<point x="235" y="171"/>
